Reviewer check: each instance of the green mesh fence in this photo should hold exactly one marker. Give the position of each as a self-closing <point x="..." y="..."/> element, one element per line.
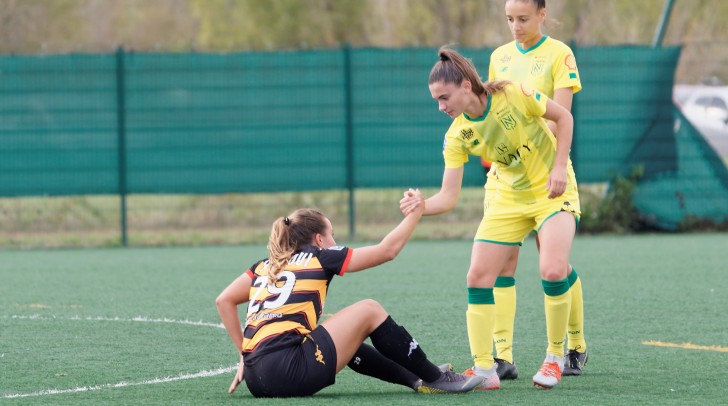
<point x="292" y="121"/>
<point x="58" y="125"/>
<point x="626" y="106"/>
<point x="696" y="189"/>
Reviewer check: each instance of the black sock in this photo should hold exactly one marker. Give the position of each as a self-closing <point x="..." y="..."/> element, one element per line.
<point x="368" y="361"/>
<point x="395" y="343"/>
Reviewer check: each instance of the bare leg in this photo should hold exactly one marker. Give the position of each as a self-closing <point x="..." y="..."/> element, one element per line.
<point x="555" y="239"/>
<point x="351" y="326"/>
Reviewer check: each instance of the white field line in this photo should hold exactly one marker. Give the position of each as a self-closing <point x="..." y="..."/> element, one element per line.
<point x="180" y="377"/>
<point x="102" y="318"/>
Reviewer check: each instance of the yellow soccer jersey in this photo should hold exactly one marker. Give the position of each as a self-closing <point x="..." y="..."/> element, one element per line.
<point x="513" y="136"/>
<point x="546" y="66"/>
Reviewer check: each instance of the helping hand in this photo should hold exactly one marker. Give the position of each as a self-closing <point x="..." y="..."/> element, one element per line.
<point x="412" y="202"/>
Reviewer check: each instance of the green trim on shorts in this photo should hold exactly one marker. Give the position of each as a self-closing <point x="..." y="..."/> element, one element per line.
<point x="481" y="296"/>
<point x="499" y="242"/>
<point x="576" y="218"/>
<point x="505" y="282"/>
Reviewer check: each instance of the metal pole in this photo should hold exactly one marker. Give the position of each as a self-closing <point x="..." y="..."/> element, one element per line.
<point x="664" y="22"/>
<point x="121" y="130"/>
<point x="350" y="183"/>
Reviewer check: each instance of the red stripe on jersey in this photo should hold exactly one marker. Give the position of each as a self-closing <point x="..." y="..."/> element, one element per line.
<point x="346" y="262"/>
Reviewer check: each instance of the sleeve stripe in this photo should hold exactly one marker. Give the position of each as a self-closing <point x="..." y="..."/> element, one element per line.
<point x="346" y="262"/>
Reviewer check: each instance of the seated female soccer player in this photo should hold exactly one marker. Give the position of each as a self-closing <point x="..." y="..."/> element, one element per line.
<point x="285" y="352"/>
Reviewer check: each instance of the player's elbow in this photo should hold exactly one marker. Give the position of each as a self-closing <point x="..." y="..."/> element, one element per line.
<point x="390" y="255"/>
<point x="389" y="252"/>
<point x="222" y="301"/>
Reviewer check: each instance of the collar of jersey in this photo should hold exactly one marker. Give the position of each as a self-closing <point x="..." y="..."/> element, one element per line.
<point x="485" y="113"/>
<point x="536" y="45"/>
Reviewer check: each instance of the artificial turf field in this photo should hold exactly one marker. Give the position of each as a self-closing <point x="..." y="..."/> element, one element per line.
<point x="139" y="325"/>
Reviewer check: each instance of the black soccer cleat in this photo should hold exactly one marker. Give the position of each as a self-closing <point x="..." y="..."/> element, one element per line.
<point x="575" y="362"/>
<point x="505" y="369"/>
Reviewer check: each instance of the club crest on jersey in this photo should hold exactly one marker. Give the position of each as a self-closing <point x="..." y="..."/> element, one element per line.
<point x="505" y="59"/>
<point x="508" y="122"/>
<point x="537" y="67"/>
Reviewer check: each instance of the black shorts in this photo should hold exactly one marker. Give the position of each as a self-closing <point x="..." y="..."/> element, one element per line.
<point x="301" y="369"/>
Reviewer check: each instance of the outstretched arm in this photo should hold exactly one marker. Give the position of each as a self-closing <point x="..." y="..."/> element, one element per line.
<point x="373" y="255"/>
<point x="446" y="199"/>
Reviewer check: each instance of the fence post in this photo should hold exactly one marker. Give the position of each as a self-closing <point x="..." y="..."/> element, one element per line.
<point x="662" y="25"/>
<point x="121" y="131"/>
<point x="350" y="182"/>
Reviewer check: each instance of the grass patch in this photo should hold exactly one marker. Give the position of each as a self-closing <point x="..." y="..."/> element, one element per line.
<point x="635" y="290"/>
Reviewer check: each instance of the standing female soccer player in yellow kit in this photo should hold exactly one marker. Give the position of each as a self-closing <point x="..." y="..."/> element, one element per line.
<point x="535" y="189"/>
<point x="549" y="66"/>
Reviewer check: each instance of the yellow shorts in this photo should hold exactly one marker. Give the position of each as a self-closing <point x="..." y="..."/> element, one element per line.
<point x="508" y="222"/>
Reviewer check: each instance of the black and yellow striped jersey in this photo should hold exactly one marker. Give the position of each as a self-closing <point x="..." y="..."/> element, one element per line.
<point x="290" y="308"/>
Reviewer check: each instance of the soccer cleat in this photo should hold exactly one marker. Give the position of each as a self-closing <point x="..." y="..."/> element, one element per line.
<point x="550" y="373"/>
<point x="575" y="361"/>
<point x="506" y="370"/>
<point x="444" y="368"/>
<point x="451" y="382"/>
<point x="490" y="381"/>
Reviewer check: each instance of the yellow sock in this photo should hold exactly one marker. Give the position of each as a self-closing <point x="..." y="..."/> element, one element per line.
<point x="505" y="315"/>
<point x="557" y="301"/>
<point x="480" y="314"/>
<point x="575" y="330"/>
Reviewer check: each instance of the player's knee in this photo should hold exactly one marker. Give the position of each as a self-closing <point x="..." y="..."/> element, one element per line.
<point x="554" y="271"/>
<point x="372" y="308"/>
<point x="478" y="277"/>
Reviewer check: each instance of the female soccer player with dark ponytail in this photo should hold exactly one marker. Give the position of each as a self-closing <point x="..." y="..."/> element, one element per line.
<point x="535" y="189"/>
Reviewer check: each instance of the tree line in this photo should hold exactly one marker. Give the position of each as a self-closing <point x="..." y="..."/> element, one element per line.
<point x="91" y="26"/>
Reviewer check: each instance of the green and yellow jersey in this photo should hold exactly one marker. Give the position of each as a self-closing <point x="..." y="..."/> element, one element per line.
<point x="546" y="66"/>
<point x="284" y="312"/>
<point x="513" y="136"/>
